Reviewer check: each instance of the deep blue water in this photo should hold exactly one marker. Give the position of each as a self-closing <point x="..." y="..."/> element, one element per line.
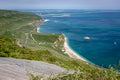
<point x="103" y="28"/>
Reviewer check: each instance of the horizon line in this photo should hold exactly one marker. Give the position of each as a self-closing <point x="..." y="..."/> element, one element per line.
<point x="51" y="9"/>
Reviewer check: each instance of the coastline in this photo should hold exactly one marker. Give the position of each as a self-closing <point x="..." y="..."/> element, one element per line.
<point x="38" y="28"/>
<point x="67" y="48"/>
<point x="72" y="53"/>
<point x="42" y="21"/>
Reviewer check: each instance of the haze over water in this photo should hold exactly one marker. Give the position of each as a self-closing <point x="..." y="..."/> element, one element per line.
<point x="103" y="28"/>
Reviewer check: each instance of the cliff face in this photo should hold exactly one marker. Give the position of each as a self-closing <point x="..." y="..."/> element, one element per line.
<point x="59" y="42"/>
<point x="18" y="69"/>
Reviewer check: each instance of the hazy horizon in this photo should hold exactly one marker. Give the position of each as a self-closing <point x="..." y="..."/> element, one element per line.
<point x="61" y="4"/>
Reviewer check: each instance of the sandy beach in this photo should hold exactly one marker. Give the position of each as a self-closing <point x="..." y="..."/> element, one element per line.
<point x="38" y="28"/>
<point x="70" y="52"/>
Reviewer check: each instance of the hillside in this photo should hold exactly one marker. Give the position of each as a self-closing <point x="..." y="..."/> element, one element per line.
<point x="19" y="39"/>
<point x="23" y="27"/>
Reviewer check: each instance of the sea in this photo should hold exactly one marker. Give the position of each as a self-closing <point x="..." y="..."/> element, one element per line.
<point x="92" y="34"/>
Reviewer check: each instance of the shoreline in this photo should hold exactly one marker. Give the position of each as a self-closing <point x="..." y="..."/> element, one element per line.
<point x="70" y="52"/>
<point x="38" y="28"/>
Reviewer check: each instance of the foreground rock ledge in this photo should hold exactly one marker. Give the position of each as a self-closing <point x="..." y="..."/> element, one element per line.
<point x="16" y="69"/>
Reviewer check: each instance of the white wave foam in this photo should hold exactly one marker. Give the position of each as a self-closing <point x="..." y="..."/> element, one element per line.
<point x="62" y="15"/>
<point x="46" y="20"/>
<point x="57" y="15"/>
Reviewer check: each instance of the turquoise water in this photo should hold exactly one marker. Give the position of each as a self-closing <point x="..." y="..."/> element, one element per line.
<point x="103" y="28"/>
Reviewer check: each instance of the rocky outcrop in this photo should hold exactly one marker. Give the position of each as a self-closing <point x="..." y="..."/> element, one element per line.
<point x="17" y="69"/>
<point x="59" y="41"/>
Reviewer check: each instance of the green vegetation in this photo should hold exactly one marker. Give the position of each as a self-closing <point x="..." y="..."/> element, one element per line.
<point x="45" y="38"/>
<point x="8" y="48"/>
<point x="93" y="74"/>
<point x="23" y="26"/>
<point x="19" y="39"/>
<point x="13" y="20"/>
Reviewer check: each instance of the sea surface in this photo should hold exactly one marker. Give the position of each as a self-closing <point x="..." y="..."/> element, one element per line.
<point x="101" y="26"/>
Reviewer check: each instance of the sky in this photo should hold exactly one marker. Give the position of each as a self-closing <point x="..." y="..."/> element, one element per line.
<point x="59" y="4"/>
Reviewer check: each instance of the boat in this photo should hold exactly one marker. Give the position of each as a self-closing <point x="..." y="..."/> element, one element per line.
<point x="86" y="38"/>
